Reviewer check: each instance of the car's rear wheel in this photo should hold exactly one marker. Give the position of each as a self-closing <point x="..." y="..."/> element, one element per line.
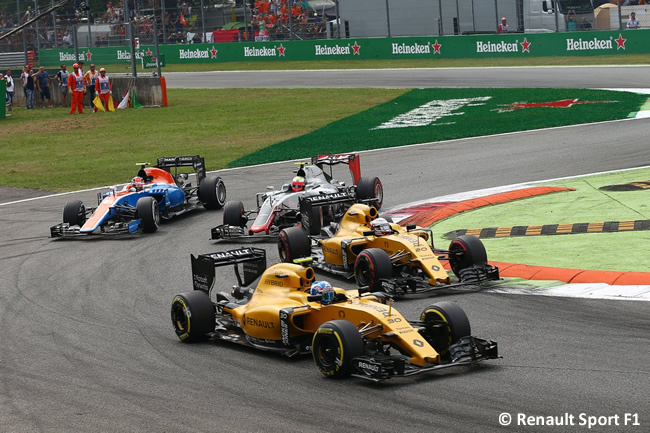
<point x="233" y="214"/>
<point x="445" y="324"/>
<point x="147" y="210"/>
<point x="212" y="193"/>
<point x="371" y="188"/>
<point x="335" y="344"/>
<point x="293" y="243"/>
<point x="464" y="252"/>
<point x="192" y="315"/>
<point x="372" y="265"/>
<point x="74" y="213"/>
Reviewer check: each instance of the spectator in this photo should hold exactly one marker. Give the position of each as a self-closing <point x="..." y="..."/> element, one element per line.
<point x="503" y="27"/>
<point x="584" y="24"/>
<point x="43" y="87"/>
<point x="77" y="89"/>
<point x="633" y="23"/>
<point x="571" y="24"/>
<point x="62" y="79"/>
<point x="10" y="90"/>
<point x="28" y="86"/>
<point x="196" y="39"/>
<point x="90" y="79"/>
<point x="67" y="40"/>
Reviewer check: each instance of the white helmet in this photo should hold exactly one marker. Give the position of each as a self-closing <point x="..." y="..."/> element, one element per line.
<point x="381" y="227"/>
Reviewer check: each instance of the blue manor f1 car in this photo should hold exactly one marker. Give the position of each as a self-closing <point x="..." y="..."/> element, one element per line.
<point x="153" y="194"/>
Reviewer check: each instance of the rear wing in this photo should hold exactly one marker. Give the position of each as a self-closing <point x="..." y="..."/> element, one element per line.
<point x="308" y="203"/>
<point x="196" y="162"/>
<point x="353" y="160"/>
<point x="203" y="266"/>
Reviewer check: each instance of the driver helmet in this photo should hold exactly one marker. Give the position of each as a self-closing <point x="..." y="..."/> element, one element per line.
<point x="381" y="227"/>
<point x="137" y="183"/>
<point x="298" y="184"/>
<point x="324" y="289"/>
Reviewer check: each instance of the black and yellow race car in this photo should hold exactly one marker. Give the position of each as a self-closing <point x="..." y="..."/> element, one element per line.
<point x="385" y="256"/>
<point x="347" y="332"/>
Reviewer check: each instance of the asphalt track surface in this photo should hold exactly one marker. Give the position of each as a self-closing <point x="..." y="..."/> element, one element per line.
<point x="87" y="343"/>
<point x="568" y="77"/>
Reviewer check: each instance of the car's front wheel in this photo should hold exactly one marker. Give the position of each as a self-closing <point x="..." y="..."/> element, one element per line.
<point x="466" y="251"/>
<point x="335" y="344"/>
<point x="445" y="324"/>
<point x="147" y="210"/>
<point x="74" y="213"/>
<point x="372" y="265"/>
<point x="233" y="214"/>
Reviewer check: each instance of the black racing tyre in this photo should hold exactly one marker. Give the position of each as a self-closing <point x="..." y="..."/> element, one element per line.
<point x="147" y="210"/>
<point x="74" y="213"/>
<point x="192" y="316"/>
<point x="233" y="214"/>
<point x="454" y="325"/>
<point x="335" y="344"/>
<point x="293" y="243"/>
<point x="371" y="188"/>
<point x="212" y="193"/>
<point x="372" y="265"/>
<point x="312" y="222"/>
<point x="466" y="251"/>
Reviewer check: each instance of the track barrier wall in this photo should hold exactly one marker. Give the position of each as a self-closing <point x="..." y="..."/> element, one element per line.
<point x="587" y="43"/>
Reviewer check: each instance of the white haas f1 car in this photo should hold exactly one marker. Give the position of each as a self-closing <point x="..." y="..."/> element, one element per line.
<point x="279" y="209"/>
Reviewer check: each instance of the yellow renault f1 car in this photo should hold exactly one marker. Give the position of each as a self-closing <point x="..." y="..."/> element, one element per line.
<point x="347" y="333"/>
<point x="385" y="256"/>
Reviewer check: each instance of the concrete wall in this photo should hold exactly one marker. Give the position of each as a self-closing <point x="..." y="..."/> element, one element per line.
<point x="147" y="89"/>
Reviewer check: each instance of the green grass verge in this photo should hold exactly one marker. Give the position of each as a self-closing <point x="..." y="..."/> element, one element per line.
<point x="51" y="150"/>
<point x="622" y="251"/>
<point x="625" y="59"/>
<point x="470" y="120"/>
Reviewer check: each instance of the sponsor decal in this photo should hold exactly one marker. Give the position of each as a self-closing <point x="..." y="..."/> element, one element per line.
<point x="274" y="283"/>
<point x="595" y="44"/>
<point x="415" y="48"/>
<point x="66" y="57"/>
<point x="498" y="47"/>
<point x="89" y="56"/>
<point x="564" y="103"/>
<point x="370" y="367"/>
<point x="418" y="343"/>
<point x="525" y="46"/>
<point x="335" y="50"/>
<point x="193" y="54"/>
<point x="356" y="47"/>
<point x="329" y="250"/>
<point x="260" y="323"/>
<point x="431" y="112"/>
<point x="264" y="51"/>
<point x="284" y="327"/>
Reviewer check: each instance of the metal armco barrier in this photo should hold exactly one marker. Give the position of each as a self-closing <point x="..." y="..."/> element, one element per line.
<point x="474" y="46"/>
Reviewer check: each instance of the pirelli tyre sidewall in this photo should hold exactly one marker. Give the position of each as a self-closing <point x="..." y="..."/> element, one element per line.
<point x="464" y="252"/>
<point x="335" y="344"/>
<point x="212" y="193"/>
<point x="455" y="321"/>
<point x="192" y="315"/>
<point x="74" y="213"/>
<point x="371" y="266"/>
<point x="146" y="209"/>
<point x="233" y="214"/>
<point x="371" y="187"/>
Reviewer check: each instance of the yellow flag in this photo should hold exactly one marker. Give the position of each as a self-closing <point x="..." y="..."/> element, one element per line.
<point x="98" y="103"/>
<point x="111" y="105"/>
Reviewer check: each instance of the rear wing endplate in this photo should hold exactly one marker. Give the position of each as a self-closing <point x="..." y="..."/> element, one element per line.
<point x="351" y="159"/>
<point x="195" y="161"/>
<point x="253" y="262"/>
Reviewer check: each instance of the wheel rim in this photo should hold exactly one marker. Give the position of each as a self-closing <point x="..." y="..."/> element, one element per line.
<point x="379" y="193"/>
<point x="156" y="214"/>
<point x="328" y="353"/>
<point x="221" y="192"/>
<point x="363" y="273"/>
<point x="179" y="318"/>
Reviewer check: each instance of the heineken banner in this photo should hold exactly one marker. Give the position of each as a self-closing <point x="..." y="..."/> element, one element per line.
<point x="586" y="43"/>
<point x="3" y="101"/>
